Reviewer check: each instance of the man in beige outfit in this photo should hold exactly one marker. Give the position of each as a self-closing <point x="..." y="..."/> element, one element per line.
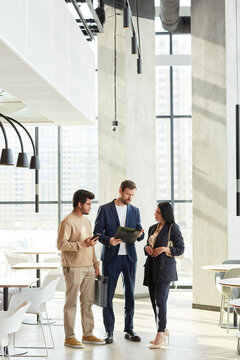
<point x="80" y="266"/>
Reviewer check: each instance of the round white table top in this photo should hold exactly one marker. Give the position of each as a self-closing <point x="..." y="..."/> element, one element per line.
<point x="235" y="302"/>
<point x="35" y="251"/>
<point x="43" y="265"/>
<point x="221" y="267"/>
<point x="5" y="282"/>
<point x="233" y="282"/>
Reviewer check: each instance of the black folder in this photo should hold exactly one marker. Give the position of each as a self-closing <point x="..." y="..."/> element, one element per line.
<point x="127" y="235"/>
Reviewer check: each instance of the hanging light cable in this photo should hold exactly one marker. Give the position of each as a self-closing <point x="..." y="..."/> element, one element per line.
<point x="6" y="156"/>
<point x="237" y="127"/>
<point x="115" y="122"/>
<point x="139" y="59"/>
<point x="22" y="161"/>
<point x="34" y="162"/>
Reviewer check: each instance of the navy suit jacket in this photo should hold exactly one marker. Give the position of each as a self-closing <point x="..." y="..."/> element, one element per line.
<point x="163" y="268"/>
<point x="106" y="224"/>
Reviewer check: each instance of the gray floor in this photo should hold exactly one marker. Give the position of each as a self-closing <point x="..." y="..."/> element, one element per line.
<point x="194" y="334"/>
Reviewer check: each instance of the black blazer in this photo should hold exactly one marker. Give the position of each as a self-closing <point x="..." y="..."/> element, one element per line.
<point x="163" y="268"/>
<point x="106" y="224"/>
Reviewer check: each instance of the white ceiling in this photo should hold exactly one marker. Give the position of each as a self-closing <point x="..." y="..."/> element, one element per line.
<point x="11" y="106"/>
<point x="47" y="75"/>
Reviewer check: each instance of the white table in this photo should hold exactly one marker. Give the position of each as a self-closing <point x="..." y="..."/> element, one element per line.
<point x="37" y="252"/>
<point x="223" y="268"/>
<point x="220" y="267"/>
<point x="231" y="282"/>
<point x="6" y="283"/>
<point x="36" y="266"/>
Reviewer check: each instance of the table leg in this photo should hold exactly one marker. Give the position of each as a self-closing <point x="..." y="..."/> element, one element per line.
<point x="38" y="282"/>
<point x="38" y="272"/>
<point x="235" y="319"/>
<point x="39" y="278"/>
<point x="5" y="298"/>
<point x="5" y="307"/>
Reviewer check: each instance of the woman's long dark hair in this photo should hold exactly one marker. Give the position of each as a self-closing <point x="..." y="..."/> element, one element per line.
<point x="166" y="212"/>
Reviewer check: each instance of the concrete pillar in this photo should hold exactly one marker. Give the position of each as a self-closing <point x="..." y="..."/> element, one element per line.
<point x="209" y="133"/>
<point x="215" y="59"/>
<point x="232" y="14"/>
<point x="130" y="152"/>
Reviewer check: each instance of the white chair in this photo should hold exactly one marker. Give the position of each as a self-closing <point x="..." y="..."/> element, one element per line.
<point x="38" y="298"/>
<point x="10" y="322"/>
<point x="14" y="258"/>
<point x="227" y="295"/>
<point x="54" y="274"/>
<point x="61" y="287"/>
<point x="236" y="305"/>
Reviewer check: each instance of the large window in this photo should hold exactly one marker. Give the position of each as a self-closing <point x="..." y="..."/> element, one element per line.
<point x="68" y="158"/>
<point x="174" y="137"/>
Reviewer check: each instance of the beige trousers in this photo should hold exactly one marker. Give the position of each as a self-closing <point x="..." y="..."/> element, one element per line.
<point x="79" y="280"/>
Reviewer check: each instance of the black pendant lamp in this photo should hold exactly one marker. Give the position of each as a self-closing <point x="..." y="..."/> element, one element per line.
<point x="134" y="44"/>
<point x="23" y="161"/>
<point x="34" y="162"/>
<point x="139" y="65"/>
<point x="126" y="15"/>
<point x="6" y="157"/>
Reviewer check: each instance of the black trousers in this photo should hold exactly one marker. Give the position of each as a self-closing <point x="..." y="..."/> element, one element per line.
<point x="159" y="294"/>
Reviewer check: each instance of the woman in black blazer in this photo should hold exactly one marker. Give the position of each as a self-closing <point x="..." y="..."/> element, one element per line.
<point x="160" y="266"/>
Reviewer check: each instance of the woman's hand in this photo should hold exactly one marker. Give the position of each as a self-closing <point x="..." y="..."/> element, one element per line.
<point x="149" y="250"/>
<point x="159" y="250"/>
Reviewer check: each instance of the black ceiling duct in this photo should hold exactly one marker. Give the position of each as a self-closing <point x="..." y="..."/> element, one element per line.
<point x="170" y="18"/>
<point x="101" y="12"/>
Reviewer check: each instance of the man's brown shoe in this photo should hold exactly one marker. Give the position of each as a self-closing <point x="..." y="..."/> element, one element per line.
<point x="92" y="340"/>
<point x="74" y="343"/>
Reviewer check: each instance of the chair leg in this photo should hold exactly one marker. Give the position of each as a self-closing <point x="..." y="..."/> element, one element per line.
<point x="40" y="323"/>
<point x="228" y="310"/>
<point x="14" y="337"/>
<point x="37" y="347"/>
<point x="221" y="311"/>
<point x="2" y="352"/>
<point x="50" y="330"/>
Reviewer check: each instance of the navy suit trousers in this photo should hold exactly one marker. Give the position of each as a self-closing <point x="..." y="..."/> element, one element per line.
<point x="159" y="294"/>
<point x="120" y="265"/>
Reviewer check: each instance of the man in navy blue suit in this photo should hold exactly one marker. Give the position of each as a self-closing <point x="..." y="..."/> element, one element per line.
<point x="119" y="257"/>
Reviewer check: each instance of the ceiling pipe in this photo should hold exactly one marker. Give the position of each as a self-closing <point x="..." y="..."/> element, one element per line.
<point x="171" y="19"/>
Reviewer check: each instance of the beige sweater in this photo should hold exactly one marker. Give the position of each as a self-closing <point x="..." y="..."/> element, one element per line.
<point x="72" y="232"/>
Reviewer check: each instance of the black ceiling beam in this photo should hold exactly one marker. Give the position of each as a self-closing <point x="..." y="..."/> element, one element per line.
<point x="146" y="8"/>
